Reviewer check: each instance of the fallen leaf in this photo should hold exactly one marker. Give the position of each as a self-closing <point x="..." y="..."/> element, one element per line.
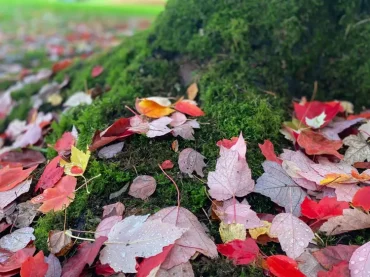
<point x="24" y="215"/>
<point x="192" y="91"/>
<point x="359" y="264"/>
<point x="65" y="143"/>
<point x="235" y="212"/>
<point x="61" y="65"/>
<point x="267" y="149"/>
<point x="119" y="192"/>
<point x="346" y="192"/>
<point x="6" y="197"/>
<point x="336" y="127"/>
<point x="34" y="266"/>
<point x="307" y="263"/>
<point x="186" y="130"/>
<point x="139" y="125"/>
<point x="175" y="145"/>
<point x="79" y="98"/>
<point x="232" y="177"/>
<point x="118" y="130"/>
<point x="361" y="199"/>
<point x="54" y="269"/>
<point x="78" y="163"/>
<point x="96" y="71"/>
<point x="86" y="254"/>
<point x="280" y="188"/>
<point x="54" y="99"/>
<point x="142" y="187"/>
<point x="59" y="242"/>
<point x="338" y="270"/>
<point x="178" y="119"/>
<point x="241" y="252"/>
<point x="106" y="225"/>
<point x="10" y="177"/>
<point x="190" y="161"/>
<point x="230" y="232"/>
<point x="12" y="265"/>
<point x="26" y="157"/>
<point x="365" y="129"/>
<point x="17" y="240"/>
<point x="315" y="143"/>
<point x="192" y="241"/>
<point x="150" y="266"/>
<point x="263" y="230"/>
<point x="324" y="209"/>
<point x="105" y="270"/>
<point x="189" y="108"/>
<point x="159" y="127"/>
<point x="293" y="234"/>
<point x="59" y="197"/>
<point x="32" y="135"/>
<point x="332" y="255"/>
<point x="283" y="266"/>
<point x="352" y="219"/>
<point x="167" y="164"/>
<point x="308" y="111"/>
<point x="137" y="238"/>
<point x="151" y="108"/>
<point x="110" y="151"/>
<point x="113" y="210"/>
<point x="358" y="150"/>
<point x="227" y="143"/>
<point x="51" y="175"/>
<point x="182" y="270"/>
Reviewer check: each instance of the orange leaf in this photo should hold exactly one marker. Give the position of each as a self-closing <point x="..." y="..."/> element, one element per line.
<point x="152" y="109"/>
<point x="65" y="143"/>
<point x="59" y="197"/>
<point x="187" y="107"/>
<point x="316" y="144"/>
<point x="12" y="176"/>
<point x="59" y="66"/>
<point x="34" y="266"/>
<point x="337" y="178"/>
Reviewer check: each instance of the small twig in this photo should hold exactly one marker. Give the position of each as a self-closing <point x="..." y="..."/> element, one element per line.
<point x="206" y="216"/>
<point x="87" y="181"/>
<point x="177" y="188"/>
<point x="200" y="180"/>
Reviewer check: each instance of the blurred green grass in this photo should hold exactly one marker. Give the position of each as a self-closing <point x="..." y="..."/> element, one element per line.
<point x="13" y="10"/>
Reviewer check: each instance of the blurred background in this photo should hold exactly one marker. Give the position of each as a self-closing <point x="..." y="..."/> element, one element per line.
<point x="41" y="32"/>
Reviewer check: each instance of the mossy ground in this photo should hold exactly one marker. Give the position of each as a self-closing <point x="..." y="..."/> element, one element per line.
<point x="236" y="51"/>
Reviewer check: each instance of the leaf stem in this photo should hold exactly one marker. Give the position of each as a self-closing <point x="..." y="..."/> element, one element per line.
<point x="177" y="188"/>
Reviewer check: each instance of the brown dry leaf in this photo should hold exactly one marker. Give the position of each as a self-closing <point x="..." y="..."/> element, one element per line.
<point x="24" y="215"/>
<point x="192" y="91"/>
<point x="229" y="232"/>
<point x="113" y="209"/>
<point x="142" y="187"/>
<point x="59" y="243"/>
<point x="352" y="219"/>
<point x="175" y="145"/>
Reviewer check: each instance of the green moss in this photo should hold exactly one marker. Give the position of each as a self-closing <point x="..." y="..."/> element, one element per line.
<point x="50" y="221"/>
<point x="239" y="53"/>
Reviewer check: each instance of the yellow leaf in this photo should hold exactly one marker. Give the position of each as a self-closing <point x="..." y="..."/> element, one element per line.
<point x="264" y="230"/>
<point x="192" y="91"/>
<point x="78" y="164"/>
<point x="335" y="178"/>
<point x="152" y="109"/>
<point x="55" y="99"/>
<point x="229" y="232"/>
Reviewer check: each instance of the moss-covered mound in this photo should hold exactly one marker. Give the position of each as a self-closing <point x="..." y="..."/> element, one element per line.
<point x="238" y="52"/>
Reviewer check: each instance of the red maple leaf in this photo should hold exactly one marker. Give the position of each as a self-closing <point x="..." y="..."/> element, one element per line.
<point x="316" y="144"/>
<point x="283" y="266"/>
<point x="118" y="130"/>
<point x="12" y="176"/>
<point x="145" y="268"/>
<point x="65" y="143"/>
<point x="316" y="108"/>
<point x="34" y="266"/>
<point x="242" y="252"/>
<point x="86" y="254"/>
<point x="361" y="199"/>
<point x="268" y="151"/>
<point x="11" y="266"/>
<point x="51" y="175"/>
<point x="187" y="107"/>
<point x="326" y="208"/>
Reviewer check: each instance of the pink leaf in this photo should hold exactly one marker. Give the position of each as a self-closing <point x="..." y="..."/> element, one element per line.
<point x="192" y="241"/>
<point x="333" y="255"/>
<point x="113" y="210"/>
<point x="359" y="265"/>
<point x="54" y="269"/>
<point x="167" y="164"/>
<point x="177" y="119"/>
<point x="231" y="178"/>
<point x="142" y="187"/>
<point x="339" y="270"/>
<point x="96" y="71"/>
<point x="181" y="270"/>
<point x="190" y="161"/>
<point x="106" y="225"/>
<point x="293" y="234"/>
